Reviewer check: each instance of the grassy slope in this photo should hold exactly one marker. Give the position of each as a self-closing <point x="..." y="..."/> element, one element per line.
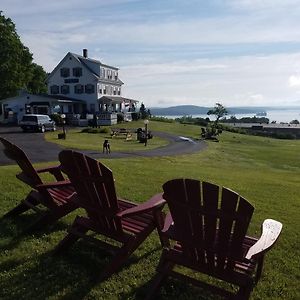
<point x="264" y="171"/>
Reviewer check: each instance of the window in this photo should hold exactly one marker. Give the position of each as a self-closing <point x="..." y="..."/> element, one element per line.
<point x="100" y="88"/>
<point x="29" y="119"/>
<point x="70" y="108"/>
<point x="78" y="89"/>
<point x="103" y="72"/>
<point x="65" y="89"/>
<point x="116" y="75"/>
<point x="89" y="88"/>
<point x="104" y="90"/>
<point x="119" y="91"/>
<point x="92" y="108"/>
<point x="115" y="91"/>
<point x="77" y="72"/>
<point x="54" y="89"/>
<point x="64" y="72"/>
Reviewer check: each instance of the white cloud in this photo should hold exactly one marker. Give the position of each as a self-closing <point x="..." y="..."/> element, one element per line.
<point x="294" y="81"/>
<point x="174" y="59"/>
<point x="244" y="81"/>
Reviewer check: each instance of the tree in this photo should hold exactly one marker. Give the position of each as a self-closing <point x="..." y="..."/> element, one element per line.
<point x="295" y="122"/>
<point x="219" y="111"/>
<point x="37" y="82"/>
<point x="144" y="113"/>
<point x="16" y="68"/>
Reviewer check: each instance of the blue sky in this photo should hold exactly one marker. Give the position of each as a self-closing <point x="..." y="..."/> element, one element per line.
<point x="170" y="52"/>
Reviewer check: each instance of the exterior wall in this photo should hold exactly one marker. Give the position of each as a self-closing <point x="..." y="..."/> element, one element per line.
<point x="87" y="77"/>
<point x="108" y="89"/>
<point x="107" y="82"/>
<point x="17" y="106"/>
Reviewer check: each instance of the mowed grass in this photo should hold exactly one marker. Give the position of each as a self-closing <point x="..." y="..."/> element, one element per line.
<point x="94" y="141"/>
<point x="264" y="171"/>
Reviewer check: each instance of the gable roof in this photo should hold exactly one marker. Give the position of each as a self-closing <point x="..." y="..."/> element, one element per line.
<point x="83" y="60"/>
<point x="62" y="61"/>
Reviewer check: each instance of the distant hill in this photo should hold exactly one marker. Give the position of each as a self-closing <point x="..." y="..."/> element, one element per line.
<point x="179" y="110"/>
<point x="187" y="110"/>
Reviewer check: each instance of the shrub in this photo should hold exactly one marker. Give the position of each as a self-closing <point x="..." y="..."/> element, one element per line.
<point x="103" y="130"/>
<point x="95" y="130"/>
<point x="163" y="119"/>
<point x="120" y="117"/>
<point x="135" y="116"/>
<point x="57" y="119"/>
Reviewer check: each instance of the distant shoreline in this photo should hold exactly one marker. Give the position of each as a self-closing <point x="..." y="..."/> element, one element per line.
<point x="285" y="116"/>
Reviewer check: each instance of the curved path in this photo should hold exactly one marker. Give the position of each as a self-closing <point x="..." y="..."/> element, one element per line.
<point x="39" y="150"/>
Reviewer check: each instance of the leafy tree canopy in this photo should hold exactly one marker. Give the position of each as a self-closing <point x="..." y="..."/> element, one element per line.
<point x="219" y="111"/>
<point x="17" y="71"/>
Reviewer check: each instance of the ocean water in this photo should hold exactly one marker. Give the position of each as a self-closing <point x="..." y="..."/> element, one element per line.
<point x="285" y="116"/>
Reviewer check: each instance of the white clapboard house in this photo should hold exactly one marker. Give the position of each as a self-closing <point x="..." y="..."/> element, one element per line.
<point x="80" y="88"/>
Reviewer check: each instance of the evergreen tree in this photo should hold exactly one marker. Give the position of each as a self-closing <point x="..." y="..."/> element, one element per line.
<point x="17" y="70"/>
<point x="143" y="112"/>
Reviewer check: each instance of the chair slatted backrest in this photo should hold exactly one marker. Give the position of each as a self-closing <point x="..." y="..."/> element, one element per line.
<point x="95" y="187"/>
<point x="210" y="222"/>
<point x="29" y="174"/>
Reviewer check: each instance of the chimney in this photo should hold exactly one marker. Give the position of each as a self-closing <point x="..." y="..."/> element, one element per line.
<point x="85" y="53"/>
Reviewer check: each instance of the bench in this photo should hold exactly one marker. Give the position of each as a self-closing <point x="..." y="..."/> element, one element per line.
<point x="121" y="132"/>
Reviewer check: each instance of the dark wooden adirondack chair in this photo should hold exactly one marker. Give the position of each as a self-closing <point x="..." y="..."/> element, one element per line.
<point x="56" y="196"/>
<point x="107" y="215"/>
<point x="208" y="226"/>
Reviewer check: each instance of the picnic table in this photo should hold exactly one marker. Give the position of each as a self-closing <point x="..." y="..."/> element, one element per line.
<point x="121" y="132"/>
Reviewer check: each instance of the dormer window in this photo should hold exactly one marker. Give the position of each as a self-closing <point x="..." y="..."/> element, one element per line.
<point x="65" y="89"/>
<point x="89" y="88"/>
<point x="77" y="72"/>
<point x="64" y="72"/>
<point x="54" y="89"/>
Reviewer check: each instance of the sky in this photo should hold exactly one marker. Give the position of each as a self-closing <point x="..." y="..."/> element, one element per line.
<point x="175" y="52"/>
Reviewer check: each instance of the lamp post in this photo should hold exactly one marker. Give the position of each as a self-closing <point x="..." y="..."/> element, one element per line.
<point x="146" y="122"/>
<point x="63" y="116"/>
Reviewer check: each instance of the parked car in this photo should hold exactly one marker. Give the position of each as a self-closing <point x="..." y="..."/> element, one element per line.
<point x="39" y="123"/>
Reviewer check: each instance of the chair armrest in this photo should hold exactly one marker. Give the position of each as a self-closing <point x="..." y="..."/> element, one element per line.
<point x="47" y="169"/>
<point x="168" y="223"/>
<point x="55" y="171"/>
<point x="52" y="185"/>
<point x="270" y="232"/>
<point x="154" y="202"/>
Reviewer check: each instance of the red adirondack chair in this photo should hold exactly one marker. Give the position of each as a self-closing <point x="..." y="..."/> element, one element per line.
<point x="56" y="196"/>
<point x="208" y="226"/>
<point x="107" y="215"/>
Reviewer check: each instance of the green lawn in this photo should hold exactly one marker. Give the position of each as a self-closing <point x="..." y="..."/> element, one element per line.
<point x="265" y="171"/>
<point x="93" y="141"/>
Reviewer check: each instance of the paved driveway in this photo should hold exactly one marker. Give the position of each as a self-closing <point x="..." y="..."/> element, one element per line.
<point x="39" y="150"/>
